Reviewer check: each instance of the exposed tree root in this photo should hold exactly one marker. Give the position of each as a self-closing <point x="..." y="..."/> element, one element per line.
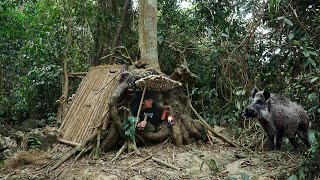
<point x="133" y="147"/>
<point x="177" y="135"/>
<point x="125" y="146"/>
<point x="84" y="150"/>
<point x="158" y="136"/>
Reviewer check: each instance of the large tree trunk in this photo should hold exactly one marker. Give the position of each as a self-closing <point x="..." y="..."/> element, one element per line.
<point x="148" y="33"/>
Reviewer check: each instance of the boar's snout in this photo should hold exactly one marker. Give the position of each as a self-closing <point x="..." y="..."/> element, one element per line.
<point x="248" y="112"/>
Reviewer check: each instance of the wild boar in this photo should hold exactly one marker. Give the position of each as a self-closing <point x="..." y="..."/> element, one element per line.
<point x="279" y="117"/>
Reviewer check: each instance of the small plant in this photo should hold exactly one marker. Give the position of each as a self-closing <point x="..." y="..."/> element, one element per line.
<point x="128" y="127"/>
<point x="211" y="164"/>
<point x="310" y="167"/>
<point x="34" y="143"/>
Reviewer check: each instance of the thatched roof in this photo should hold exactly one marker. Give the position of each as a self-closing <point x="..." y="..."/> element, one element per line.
<point x="157" y="83"/>
<point x="90" y="102"/>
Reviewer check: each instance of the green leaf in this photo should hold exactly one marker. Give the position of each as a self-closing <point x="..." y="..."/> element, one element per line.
<point x="238" y="105"/>
<point x="293" y="177"/>
<point x="245" y="176"/>
<point x="125" y="127"/>
<point x="288" y="21"/>
<point x="302" y="175"/>
<point x="314" y="79"/>
<point x="313" y="53"/>
<point x="312" y="136"/>
<point x="243" y="92"/>
<point x="290" y="36"/>
<point x="306" y="53"/>
<point x="296" y="42"/>
<point x="132" y="120"/>
<point x="127" y="133"/>
<point x="212" y="165"/>
<point x="224" y="35"/>
<point x="312" y="96"/>
<point x="312" y="62"/>
<point x="238" y="92"/>
<point x="318" y="110"/>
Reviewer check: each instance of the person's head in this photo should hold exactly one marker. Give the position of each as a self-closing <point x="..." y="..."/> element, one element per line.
<point x="147" y="102"/>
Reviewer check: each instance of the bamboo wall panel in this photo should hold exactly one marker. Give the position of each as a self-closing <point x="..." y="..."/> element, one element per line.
<point x="90" y="102"/>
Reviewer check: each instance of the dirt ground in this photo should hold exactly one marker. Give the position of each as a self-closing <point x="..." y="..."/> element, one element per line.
<point x="195" y="161"/>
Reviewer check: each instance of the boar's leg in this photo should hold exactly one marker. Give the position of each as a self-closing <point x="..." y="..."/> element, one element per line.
<point x="271" y="142"/>
<point x="293" y="141"/>
<point x="303" y="134"/>
<point x="279" y="138"/>
<point x="271" y="133"/>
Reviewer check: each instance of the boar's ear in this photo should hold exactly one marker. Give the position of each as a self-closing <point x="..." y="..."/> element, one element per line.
<point x="254" y="91"/>
<point x="266" y="95"/>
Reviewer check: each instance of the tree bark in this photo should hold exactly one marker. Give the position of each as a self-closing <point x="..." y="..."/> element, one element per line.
<point x="65" y="85"/>
<point x="148" y="33"/>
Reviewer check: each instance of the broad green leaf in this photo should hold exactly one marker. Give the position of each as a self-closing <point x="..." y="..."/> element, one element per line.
<point x="313" y="53"/>
<point x="245" y="176"/>
<point x="296" y="42"/>
<point x="312" y="62"/>
<point x="293" y="177"/>
<point x="125" y="127"/>
<point x="243" y="92"/>
<point x="238" y="105"/>
<point x="314" y="79"/>
<point x="290" y="36"/>
<point x="224" y="35"/>
<point x="306" y="53"/>
<point x="312" y="96"/>
<point x="288" y="21"/>
<point x="238" y="92"/>
<point x="302" y="175"/>
<point x="312" y="136"/>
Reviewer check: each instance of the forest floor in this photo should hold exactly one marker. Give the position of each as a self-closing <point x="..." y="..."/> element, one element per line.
<point x="195" y="161"/>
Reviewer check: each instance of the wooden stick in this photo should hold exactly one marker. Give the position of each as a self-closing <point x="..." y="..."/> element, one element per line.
<point x="70" y="143"/>
<point x="125" y="145"/>
<point x="84" y="150"/>
<point x="98" y="140"/>
<point x="206" y="125"/>
<point x="78" y="73"/>
<point x="73" y="152"/>
<point x="166" y="164"/>
<point x="138" y="114"/>
<point x="139" y="162"/>
<point x="108" y="82"/>
<point x="173" y="155"/>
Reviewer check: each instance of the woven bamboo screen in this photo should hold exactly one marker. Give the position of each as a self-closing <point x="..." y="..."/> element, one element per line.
<point x="90" y="102"/>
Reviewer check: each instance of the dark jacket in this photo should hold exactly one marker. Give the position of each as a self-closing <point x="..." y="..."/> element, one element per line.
<point x="155" y="110"/>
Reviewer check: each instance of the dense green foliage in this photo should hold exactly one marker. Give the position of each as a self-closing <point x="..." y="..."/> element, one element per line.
<point x="230" y="45"/>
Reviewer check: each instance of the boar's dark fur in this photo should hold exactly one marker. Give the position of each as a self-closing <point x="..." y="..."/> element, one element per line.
<point x="279" y="117"/>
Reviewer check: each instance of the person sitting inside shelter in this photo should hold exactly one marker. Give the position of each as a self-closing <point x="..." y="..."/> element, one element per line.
<point x="151" y="114"/>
